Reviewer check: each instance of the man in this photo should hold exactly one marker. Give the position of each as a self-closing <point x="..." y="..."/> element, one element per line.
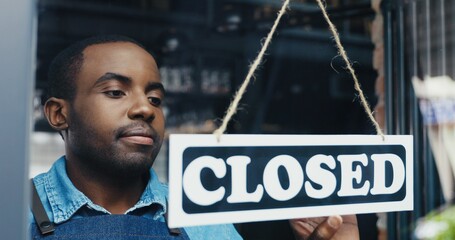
<point x="105" y="99"/>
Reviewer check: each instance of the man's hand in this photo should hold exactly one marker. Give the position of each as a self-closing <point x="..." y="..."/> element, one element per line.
<point x="325" y="228"/>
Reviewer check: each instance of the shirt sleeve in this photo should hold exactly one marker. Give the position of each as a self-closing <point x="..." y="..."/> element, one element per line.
<point x="224" y="231"/>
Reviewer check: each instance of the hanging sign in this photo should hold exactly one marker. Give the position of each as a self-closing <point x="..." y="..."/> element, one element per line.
<point x="244" y="178"/>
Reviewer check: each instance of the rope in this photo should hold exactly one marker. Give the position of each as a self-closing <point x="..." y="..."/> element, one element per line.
<point x="238" y="95"/>
<point x="343" y="54"/>
<point x="233" y="106"/>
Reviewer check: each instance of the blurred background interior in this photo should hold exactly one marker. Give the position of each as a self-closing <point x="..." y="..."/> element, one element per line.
<point x="204" y="48"/>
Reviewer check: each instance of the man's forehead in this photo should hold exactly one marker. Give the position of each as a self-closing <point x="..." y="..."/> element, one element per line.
<point x="123" y="58"/>
<point x="113" y="47"/>
<point x="118" y="53"/>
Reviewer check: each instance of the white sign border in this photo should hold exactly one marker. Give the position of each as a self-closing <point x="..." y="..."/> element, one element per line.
<point x="179" y="142"/>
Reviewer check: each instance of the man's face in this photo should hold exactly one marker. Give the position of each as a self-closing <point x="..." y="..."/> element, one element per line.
<point x="116" y="122"/>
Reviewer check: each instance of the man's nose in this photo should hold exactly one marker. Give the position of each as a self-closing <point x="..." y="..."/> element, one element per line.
<point x="141" y="108"/>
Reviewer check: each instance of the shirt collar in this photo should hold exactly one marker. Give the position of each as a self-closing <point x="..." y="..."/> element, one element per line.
<point x="65" y="199"/>
<point x="63" y="196"/>
<point x="154" y="193"/>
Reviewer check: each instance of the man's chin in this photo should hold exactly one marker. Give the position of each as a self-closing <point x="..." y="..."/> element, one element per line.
<point x="133" y="165"/>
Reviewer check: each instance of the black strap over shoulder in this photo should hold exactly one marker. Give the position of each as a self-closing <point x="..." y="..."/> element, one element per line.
<point x="42" y="220"/>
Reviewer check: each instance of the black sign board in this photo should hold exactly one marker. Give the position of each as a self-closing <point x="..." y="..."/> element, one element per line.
<point x="268" y="177"/>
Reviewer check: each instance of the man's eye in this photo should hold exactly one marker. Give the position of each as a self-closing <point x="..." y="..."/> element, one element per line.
<point x="155" y="101"/>
<point x="115" y="93"/>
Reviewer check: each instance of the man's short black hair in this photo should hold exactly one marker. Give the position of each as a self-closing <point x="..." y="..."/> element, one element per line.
<point x="65" y="67"/>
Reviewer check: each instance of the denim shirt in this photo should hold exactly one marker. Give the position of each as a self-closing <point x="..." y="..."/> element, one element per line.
<point x="62" y="202"/>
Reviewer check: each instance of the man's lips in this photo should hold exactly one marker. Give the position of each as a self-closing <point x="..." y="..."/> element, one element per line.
<point x="139" y="140"/>
<point x="140" y="136"/>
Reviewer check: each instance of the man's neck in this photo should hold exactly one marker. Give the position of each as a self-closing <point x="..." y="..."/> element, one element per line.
<point x="116" y="195"/>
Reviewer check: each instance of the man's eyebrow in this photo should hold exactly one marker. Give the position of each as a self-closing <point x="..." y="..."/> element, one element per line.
<point x="155" y="85"/>
<point x="127" y="80"/>
<point x="113" y="76"/>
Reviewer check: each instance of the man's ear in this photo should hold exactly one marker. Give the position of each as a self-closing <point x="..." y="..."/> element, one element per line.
<point x="56" y="111"/>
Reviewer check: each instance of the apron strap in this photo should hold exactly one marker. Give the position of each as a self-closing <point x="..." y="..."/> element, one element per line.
<point x="42" y="220"/>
